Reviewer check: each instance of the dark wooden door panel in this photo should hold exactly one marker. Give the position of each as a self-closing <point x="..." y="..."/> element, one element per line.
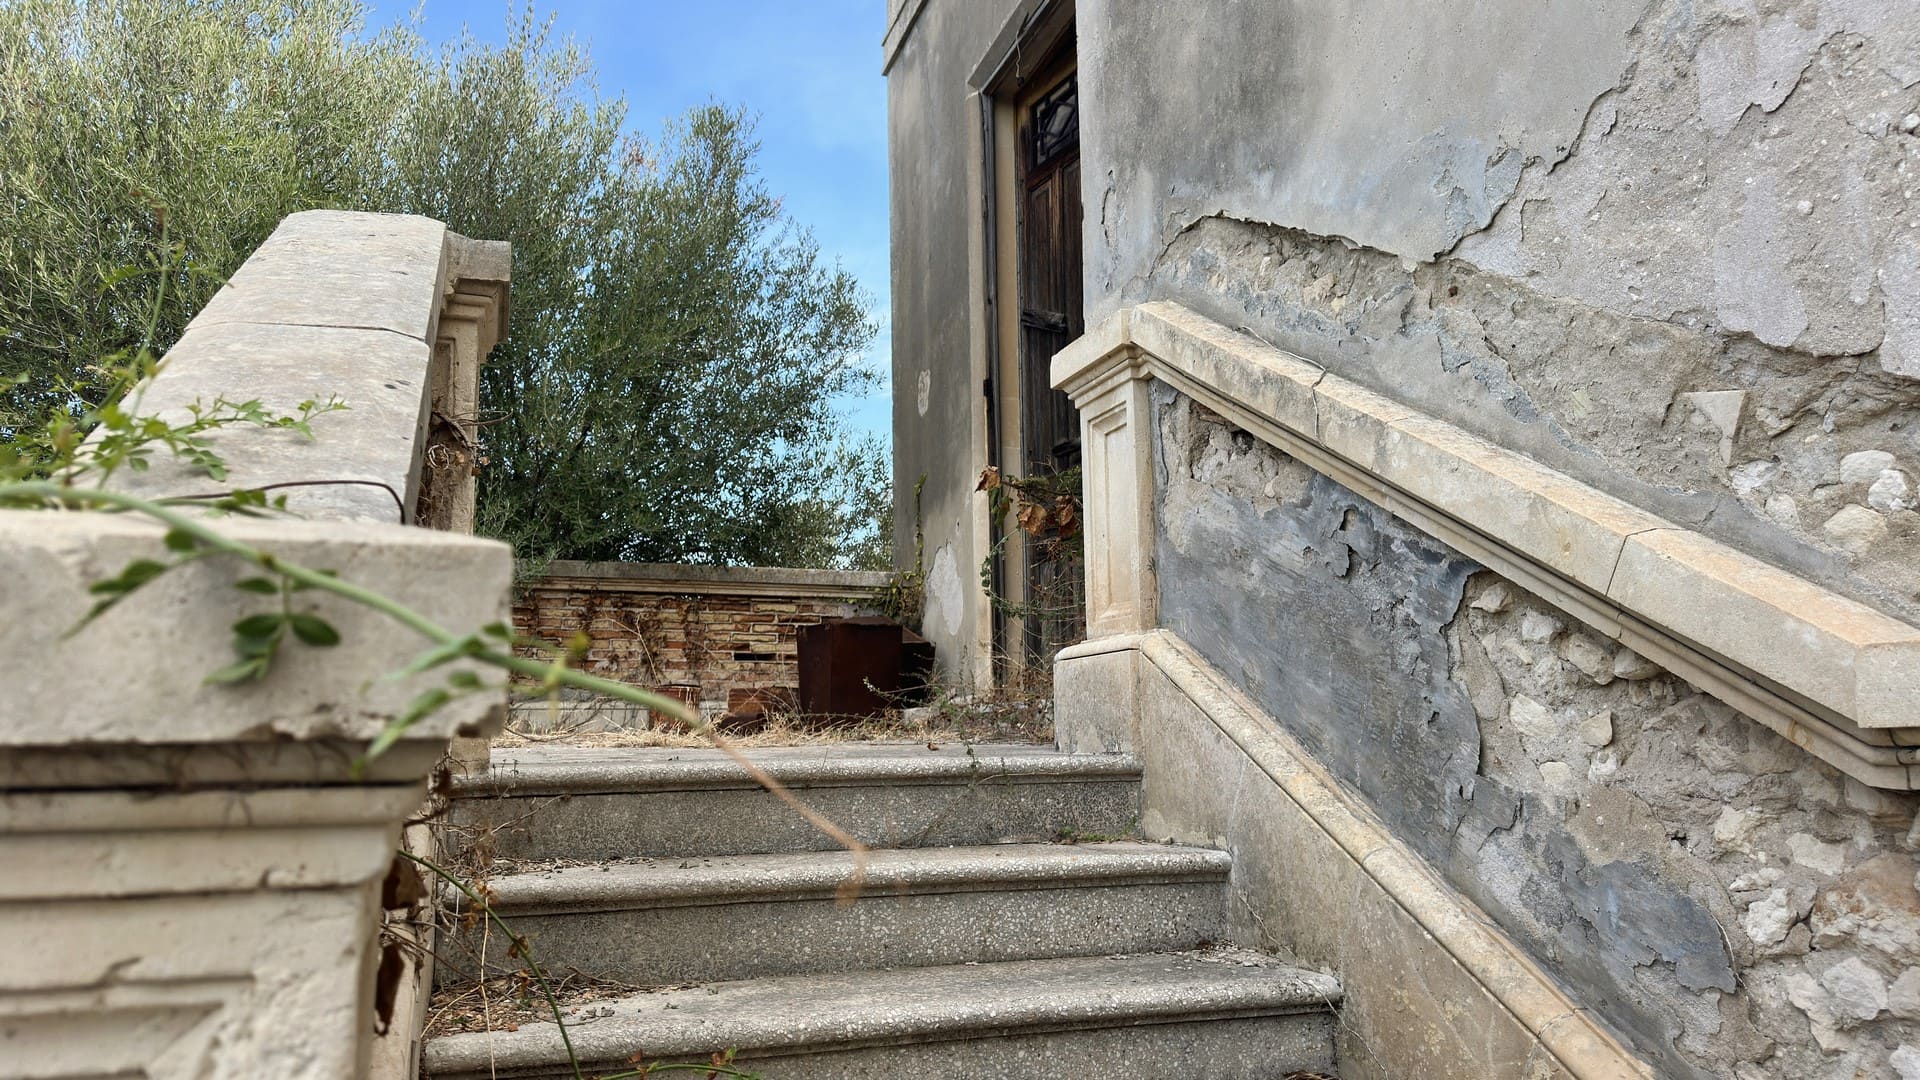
<point x="1051" y="316"/>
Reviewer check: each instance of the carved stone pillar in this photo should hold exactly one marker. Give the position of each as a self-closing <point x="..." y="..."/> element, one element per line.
<point x="1096" y="683"/>
<point x="472" y="320"/>
<point x="192" y="875"/>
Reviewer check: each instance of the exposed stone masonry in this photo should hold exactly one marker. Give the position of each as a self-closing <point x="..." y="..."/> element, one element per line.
<point x="1810" y="462"/>
<point x="1732" y="903"/>
<point x="1681" y="263"/>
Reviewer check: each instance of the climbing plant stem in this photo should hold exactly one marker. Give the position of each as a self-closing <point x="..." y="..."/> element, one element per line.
<point x="550" y="674"/>
<point x="521" y="948"/>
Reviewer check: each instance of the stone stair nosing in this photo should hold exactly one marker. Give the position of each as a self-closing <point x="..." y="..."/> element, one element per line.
<point x="970" y="950"/>
<point x="578" y="803"/>
<point x="1224" y="1015"/>
<point x="741" y="916"/>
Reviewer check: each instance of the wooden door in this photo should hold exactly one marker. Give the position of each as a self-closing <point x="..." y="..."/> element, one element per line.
<point x="1050" y="285"/>
<point x="1051" y="316"/>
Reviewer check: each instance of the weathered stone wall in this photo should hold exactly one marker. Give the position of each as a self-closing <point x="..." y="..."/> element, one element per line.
<point x="1668" y="248"/>
<point x="196" y="873"/>
<point x="722" y="631"/>
<point x="1730" y="904"/>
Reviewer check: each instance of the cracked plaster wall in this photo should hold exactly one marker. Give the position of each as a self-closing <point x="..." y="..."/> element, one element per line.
<point x="1671" y="248"/>
<point x="1732" y="906"/>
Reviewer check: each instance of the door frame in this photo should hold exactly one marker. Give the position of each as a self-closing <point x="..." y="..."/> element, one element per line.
<point x="1036" y="47"/>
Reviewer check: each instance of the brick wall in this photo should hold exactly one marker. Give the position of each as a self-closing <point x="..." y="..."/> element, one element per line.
<point x="710" y="633"/>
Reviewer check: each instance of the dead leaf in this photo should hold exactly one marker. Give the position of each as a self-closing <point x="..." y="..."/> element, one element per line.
<point x="1034" y="519"/>
<point x="386" y="986"/>
<point x="1065" y="513"/>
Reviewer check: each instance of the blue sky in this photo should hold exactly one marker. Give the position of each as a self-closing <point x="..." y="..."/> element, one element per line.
<point x="809" y="68"/>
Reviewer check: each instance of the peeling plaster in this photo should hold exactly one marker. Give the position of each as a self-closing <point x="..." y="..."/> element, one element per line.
<point x="1349" y="626"/>
<point x="946" y="595"/>
<point x="1379" y="124"/>
<point x="1754" y="287"/>
<point x="1743" y="65"/>
<point x="1610" y="399"/>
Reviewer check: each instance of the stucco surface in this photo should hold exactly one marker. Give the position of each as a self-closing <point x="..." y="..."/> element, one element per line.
<point x="1375" y="121"/>
<point x="933" y="132"/>
<point x="1670" y="249"/>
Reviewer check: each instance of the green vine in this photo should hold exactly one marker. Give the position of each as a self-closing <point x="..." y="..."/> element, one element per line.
<point x="1048" y="517"/>
<point x="905" y="593"/>
<point x="64" y="462"/>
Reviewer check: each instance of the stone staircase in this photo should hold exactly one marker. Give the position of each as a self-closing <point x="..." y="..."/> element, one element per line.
<point x="1005" y="927"/>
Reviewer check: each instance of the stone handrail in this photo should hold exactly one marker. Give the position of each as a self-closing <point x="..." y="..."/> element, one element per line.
<point x="1832" y="675"/>
<point x="389" y="314"/>
<point x="195" y="883"/>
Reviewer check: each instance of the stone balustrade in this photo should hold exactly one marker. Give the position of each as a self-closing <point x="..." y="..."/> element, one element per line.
<point x="1533" y="769"/>
<point x="195" y="873"/>
<point x="1825" y="671"/>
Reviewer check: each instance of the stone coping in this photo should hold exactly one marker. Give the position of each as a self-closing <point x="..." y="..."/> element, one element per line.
<point x="334" y="304"/>
<point x="548" y="769"/>
<point x="1829" y="673"/>
<point x="684" y="580"/>
<point x="795" y="1014"/>
<point x="819" y="875"/>
<point x="135" y="674"/>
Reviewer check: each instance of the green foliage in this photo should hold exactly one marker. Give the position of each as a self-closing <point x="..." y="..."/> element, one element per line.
<point x="673" y="400"/>
<point x="112" y="114"/>
<point x="677" y="343"/>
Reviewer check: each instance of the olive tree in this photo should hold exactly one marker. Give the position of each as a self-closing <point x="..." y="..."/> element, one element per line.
<point x="678" y="342"/>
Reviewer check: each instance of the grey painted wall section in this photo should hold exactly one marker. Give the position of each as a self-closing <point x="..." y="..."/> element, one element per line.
<point x="1669" y="247"/>
<point x="933" y="134"/>
<point x="1344" y="637"/>
<point x="1666" y="859"/>
<point x="1396" y="125"/>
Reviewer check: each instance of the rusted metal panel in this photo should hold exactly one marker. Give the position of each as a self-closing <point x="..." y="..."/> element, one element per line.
<point x="856" y="668"/>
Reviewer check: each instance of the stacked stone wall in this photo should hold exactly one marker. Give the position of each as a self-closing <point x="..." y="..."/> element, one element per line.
<point x="711" y="636"/>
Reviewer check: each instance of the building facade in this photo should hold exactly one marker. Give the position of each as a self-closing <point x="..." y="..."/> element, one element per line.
<point x="1667" y="250"/>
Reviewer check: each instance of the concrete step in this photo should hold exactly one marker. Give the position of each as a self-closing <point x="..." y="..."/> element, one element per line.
<point x="1224" y="1015"/>
<point x="589" y="803"/>
<point x="741" y="916"/>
